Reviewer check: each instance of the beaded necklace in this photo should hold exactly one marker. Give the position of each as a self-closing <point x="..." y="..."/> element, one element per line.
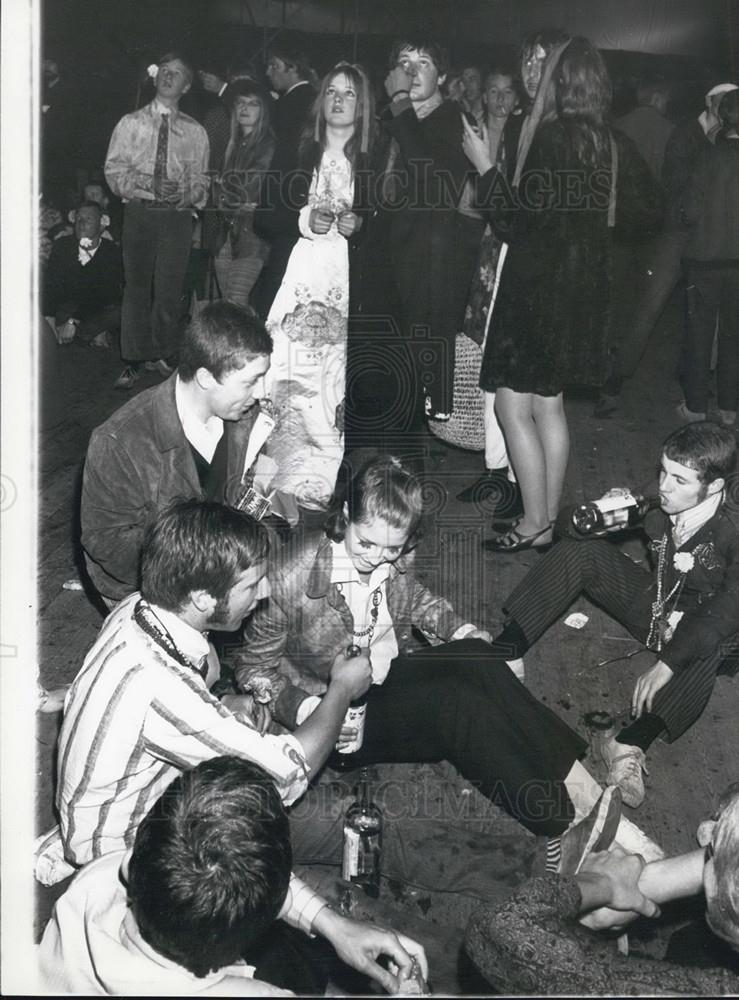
<point x="660" y="630"/>
<point x="148" y="622"/>
<point x="369" y="631"/>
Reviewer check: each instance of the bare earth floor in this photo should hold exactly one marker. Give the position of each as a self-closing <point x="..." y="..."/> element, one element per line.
<point x="562" y="670"/>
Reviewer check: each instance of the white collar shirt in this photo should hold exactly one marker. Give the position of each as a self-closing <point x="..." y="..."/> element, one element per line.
<point x="204" y="437"/>
<point x="685" y="524"/>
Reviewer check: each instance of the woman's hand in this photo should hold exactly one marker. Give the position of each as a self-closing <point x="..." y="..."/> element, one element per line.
<point x="475" y="149"/>
<point x="320" y="220"/>
<point x="398" y="79"/>
<point x="348" y="223"/>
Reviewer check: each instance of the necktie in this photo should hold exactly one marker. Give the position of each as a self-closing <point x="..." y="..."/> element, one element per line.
<point x="160" y="163"/>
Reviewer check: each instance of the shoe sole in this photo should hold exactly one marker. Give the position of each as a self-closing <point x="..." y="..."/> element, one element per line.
<point x="627" y="799"/>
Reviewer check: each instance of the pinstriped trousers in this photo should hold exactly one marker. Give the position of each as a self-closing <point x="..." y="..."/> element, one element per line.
<point x="612" y="581"/>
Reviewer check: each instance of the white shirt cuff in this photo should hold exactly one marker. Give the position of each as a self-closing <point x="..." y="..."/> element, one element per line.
<point x="301" y="905"/>
<point x="306" y="708"/>
<point x="304" y="223"/>
<point x="462" y="631"/>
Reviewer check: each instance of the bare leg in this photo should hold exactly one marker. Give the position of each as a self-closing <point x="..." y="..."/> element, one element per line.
<point x="554" y="434"/>
<point x="515" y="410"/>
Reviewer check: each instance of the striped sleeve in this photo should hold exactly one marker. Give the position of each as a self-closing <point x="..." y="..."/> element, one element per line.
<point x="185" y="725"/>
<point x="301" y="905"/>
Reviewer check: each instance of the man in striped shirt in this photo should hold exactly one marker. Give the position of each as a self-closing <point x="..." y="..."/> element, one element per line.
<point x="140" y="711"/>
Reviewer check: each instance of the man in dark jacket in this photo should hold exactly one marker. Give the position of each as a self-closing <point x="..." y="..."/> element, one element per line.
<point x="710" y="206"/>
<point x="288" y="71"/>
<point x="685" y="611"/>
<point x="84" y="279"/>
<point x="196" y="435"/>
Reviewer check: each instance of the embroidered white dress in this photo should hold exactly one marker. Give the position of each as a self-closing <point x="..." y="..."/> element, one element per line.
<point x="308" y="323"/>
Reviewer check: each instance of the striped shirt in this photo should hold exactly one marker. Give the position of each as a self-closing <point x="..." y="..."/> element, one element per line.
<point x="135" y="718"/>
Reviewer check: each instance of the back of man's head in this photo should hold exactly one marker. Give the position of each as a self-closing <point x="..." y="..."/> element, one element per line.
<point x="722" y="909"/>
<point x="221" y="338"/>
<point x="198" y="545"/>
<point x="705" y="447"/>
<point x="653" y="92"/>
<point x="210" y="865"/>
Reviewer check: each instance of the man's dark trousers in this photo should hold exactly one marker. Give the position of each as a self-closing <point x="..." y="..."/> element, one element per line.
<point x="620" y="586"/>
<point x="156" y="247"/>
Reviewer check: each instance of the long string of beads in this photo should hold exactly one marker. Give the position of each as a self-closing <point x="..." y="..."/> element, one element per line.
<point x="657" y="624"/>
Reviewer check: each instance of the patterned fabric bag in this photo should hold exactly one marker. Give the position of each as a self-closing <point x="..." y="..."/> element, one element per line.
<point x="464" y="429"/>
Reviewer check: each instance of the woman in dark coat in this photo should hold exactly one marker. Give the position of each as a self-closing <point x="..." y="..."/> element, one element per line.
<point x="549" y="325"/>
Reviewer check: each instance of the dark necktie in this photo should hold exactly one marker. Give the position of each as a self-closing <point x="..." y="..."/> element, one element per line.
<point x="160" y="164"/>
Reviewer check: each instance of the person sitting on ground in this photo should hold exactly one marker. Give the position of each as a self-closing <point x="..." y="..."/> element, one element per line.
<point x="355" y="585"/>
<point x="532" y="943"/>
<point x="685" y="611"/>
<point x="191" y="908"/>
<point x="140" y="710"/>
<point x="197" y="434"/>
<point x="83" y="280"/>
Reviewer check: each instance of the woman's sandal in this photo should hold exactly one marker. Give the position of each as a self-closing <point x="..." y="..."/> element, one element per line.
<point x="514" y="541"/>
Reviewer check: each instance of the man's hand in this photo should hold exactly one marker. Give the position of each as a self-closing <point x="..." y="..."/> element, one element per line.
<point x="246" y="704"/>
<point x="348" y="223"/>
<point x="354" y="673"/>
<point x="211" y="83"/>
<point x="475" y="149"/>
<point x="398" y="79"/>
<point x="611" y="879"/>
<point x="647" y="687"/>
<point x="166" y="190"/>
<point x="360" y="943"/>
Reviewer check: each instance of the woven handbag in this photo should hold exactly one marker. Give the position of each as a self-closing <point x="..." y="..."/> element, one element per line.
<point x="465" y="428"/>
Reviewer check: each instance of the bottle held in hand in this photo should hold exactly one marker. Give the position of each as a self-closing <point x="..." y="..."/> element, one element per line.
<point x="617" y="509"/>
<point x="354" y="719"/>
<point x="363" y="840"/>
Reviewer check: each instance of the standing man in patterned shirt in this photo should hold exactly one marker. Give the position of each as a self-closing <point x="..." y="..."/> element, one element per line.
<point x="157" y="163"/>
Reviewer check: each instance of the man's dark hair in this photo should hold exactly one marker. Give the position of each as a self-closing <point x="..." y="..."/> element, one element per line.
<point x="178" y="54"/>
<point x="434" y="50"/>
<point x="198" y="545"/>
<point x="705" y="447"/>
<point x="292" y="53"/>
<point x="211" y="864"/>
<point x="221" y="338"/>
<point x="91" y="204"/>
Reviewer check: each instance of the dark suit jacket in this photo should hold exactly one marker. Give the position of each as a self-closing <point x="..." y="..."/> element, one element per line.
<point x="138" y="462"/>
<point x="710" y="594"/>
<point x="91" y="288"/>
